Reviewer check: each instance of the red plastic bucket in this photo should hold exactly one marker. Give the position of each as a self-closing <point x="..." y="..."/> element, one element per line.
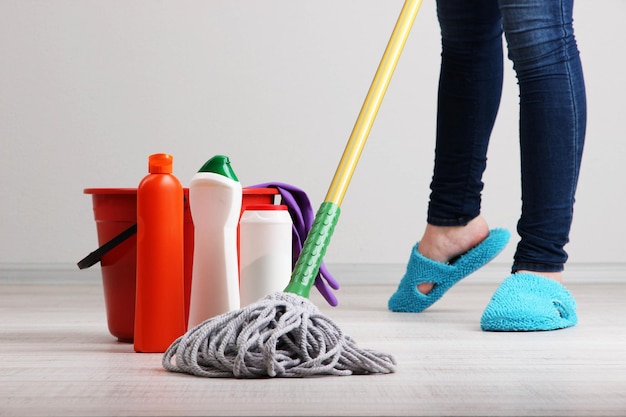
<point x="115" y="210"/>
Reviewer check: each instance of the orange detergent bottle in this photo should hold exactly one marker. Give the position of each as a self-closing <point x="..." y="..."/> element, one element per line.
<point x="159" y="303"/>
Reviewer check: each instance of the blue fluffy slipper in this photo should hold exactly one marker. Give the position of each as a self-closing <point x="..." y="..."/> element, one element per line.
<point x="529" y="302"/>
<point x="420" y="269"/>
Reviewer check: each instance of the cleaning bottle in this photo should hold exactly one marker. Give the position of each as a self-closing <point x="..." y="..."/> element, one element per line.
<point x="159" y="300"/>
<point x="265" y="251"/>
<point x="215" y="196"/>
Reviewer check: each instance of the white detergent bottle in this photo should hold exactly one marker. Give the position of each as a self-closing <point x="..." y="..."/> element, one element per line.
<point x="215" y="196"/>
<point x="265" y="251"/>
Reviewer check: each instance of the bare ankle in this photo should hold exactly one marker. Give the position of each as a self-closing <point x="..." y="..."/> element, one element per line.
<point x="557" y="276"/>
<point x="443" y="243"/>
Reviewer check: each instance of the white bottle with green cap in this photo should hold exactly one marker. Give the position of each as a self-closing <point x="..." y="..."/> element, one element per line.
<point x="215" y="196"/>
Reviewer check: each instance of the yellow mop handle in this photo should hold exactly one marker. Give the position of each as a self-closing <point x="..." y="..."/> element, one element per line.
<point x="318" y="239"/>
<point x="372" y="102"/>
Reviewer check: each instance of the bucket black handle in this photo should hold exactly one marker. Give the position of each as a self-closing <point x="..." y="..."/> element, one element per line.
<point x="95" y="256"/>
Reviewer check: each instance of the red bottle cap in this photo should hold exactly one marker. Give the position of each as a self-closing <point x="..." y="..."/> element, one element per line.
<point x="261" y="207"/>
<point x="160" y="163"/>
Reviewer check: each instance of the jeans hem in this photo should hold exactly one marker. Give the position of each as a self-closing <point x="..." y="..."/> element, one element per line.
<point x="459" y="221"/>
<point x="536" y="267"/>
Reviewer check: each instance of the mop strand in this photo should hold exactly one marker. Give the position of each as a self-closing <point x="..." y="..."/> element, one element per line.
<point x="282" y="335"/>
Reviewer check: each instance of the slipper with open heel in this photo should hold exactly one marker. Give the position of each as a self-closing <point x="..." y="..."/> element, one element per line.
<point x="528" y="302"/>
<point x="420" y="269"/>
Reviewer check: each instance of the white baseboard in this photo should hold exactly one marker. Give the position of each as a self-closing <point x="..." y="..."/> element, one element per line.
<point x="578" y="273"/>
<point x="345" y="273"/>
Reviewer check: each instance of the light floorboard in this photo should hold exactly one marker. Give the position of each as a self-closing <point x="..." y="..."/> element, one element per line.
<point x="59" y="359"/>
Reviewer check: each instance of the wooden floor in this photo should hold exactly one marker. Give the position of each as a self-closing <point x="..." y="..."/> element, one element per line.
<point x="57" y="358"/>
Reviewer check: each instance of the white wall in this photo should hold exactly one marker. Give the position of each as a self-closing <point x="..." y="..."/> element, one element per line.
<point x="88" y="89"/>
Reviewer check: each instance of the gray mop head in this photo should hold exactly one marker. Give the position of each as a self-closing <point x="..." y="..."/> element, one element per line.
<point x="282" y="335"/>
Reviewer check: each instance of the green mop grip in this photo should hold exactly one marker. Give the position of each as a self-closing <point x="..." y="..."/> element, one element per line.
<point x="316" y="243"/>
<point x="314" y="249"/>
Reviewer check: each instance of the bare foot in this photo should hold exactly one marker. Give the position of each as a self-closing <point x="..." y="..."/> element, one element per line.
<point x="443" y="243"/>
<point x="557" y="276"/>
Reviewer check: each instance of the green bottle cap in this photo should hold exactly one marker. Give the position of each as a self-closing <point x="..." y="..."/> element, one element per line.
<point x="219" y="164"/>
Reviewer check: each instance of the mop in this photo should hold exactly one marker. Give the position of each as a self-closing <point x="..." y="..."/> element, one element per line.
<point x="284" y="334"/>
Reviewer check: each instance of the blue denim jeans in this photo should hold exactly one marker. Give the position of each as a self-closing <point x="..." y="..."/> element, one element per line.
<point x="540" y="41"/>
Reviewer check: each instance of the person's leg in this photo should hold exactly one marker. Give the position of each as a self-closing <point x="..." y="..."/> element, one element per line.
<point x="470" y="87"/>
<point x="542" y="47"/>
<point x="541" y="44"/>
<point x="457" y="240"/>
